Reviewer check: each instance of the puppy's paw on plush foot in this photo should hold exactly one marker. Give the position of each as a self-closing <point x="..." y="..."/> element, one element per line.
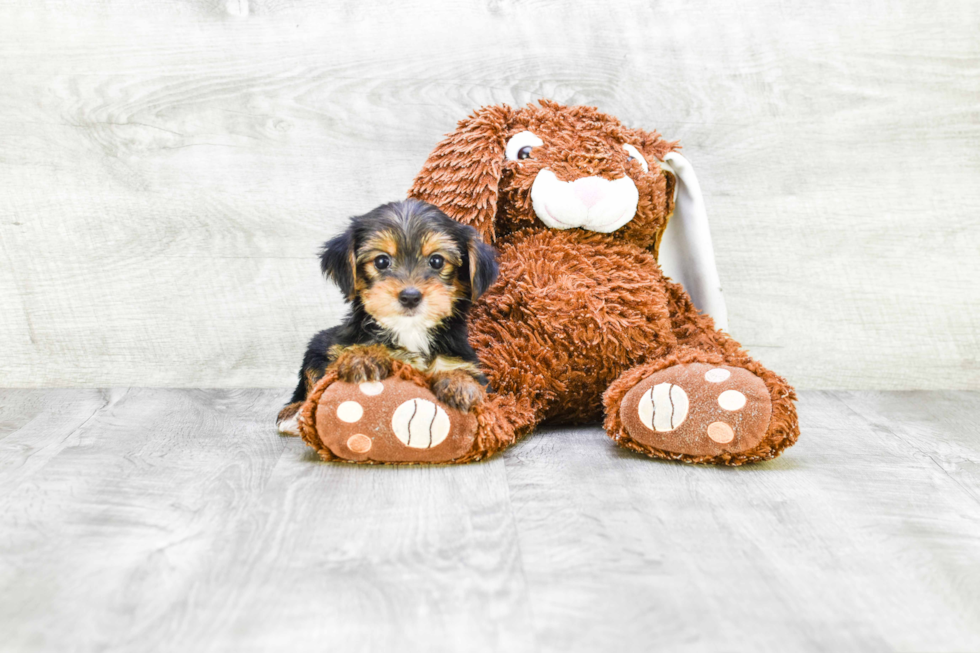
<point x="458" y="390"/>
<point x="391" y="421"/>
<point x="362" y="364"/>
<point x="288" y="420"/>
<point x="698" y="410"/>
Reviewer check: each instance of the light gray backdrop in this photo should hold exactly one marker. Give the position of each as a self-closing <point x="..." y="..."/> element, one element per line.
<point x="168" y="168"/>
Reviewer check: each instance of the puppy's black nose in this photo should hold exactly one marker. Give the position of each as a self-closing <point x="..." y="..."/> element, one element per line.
<point x="410" y="297"/>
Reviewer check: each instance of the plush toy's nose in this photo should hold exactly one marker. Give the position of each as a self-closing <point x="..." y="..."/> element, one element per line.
<point x="410" y="297"/>
<point x="590" y="190"/>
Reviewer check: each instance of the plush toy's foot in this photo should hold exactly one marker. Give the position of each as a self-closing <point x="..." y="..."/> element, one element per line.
<point x="390" y="421"/>
<point x="697" y="412"/>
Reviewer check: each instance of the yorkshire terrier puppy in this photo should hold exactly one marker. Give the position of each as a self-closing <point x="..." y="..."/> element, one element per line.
<point x="410" y="274"/>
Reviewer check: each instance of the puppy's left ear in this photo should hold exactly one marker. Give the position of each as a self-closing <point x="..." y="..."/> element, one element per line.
<point x="483" y="264"/>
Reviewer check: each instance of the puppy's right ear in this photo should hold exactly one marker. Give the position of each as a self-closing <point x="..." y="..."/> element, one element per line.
<point x="338" y="263"/>
<point x="483" y="265"/>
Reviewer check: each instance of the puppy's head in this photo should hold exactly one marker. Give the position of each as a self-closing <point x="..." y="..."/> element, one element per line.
<point x="409" y="265"/>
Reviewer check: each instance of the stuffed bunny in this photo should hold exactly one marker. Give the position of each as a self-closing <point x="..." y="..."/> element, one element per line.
<point x="583" y="324"/>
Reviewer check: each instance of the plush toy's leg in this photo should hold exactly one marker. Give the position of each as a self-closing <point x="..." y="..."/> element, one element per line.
<point x="400" y="421"/>
<point x="707" y="401"/>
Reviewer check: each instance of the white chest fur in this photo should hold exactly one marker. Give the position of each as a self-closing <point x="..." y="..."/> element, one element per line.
<point x="410" y="332"/>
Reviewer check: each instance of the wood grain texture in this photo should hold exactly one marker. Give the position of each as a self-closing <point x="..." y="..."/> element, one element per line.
<point x="125" y="516"/>
<point x="178" y="520"/>
<point x="35" y="427"/>
<point x="170" y="167"/>
<point x="855" y="539"/>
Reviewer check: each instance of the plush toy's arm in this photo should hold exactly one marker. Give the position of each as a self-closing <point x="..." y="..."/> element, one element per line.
<point x="686" y="254"/>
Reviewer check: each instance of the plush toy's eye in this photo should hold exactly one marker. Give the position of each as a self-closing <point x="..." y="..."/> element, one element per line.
<point x="382" y="262"/>
<point x="436" y="262"/>
<point x="635" y="154"/>
<point x="520" y="145"/>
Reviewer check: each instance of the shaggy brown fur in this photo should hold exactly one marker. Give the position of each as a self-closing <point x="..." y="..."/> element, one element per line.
<point x="578" y="318"/>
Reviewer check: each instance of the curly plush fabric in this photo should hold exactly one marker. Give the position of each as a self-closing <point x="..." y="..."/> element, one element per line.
<point x="578" y="318"/>
<point x="494" y="418"/>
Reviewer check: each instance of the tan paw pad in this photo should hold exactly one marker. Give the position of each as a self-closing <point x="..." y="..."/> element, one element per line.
<point x="720" y="432"/>
<point x="359" y="443"/>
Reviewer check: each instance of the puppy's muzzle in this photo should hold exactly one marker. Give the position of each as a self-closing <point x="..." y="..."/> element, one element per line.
<point x="410" y="297"/>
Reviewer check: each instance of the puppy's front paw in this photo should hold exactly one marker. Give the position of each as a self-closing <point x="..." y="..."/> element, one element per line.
<point x="288" y="420"/>
<point x="457" y="390"/>
<point x="360" y="364"/>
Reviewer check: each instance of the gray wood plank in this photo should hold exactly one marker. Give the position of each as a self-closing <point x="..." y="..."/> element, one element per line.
<point x="170" y="168"/>
<point x="943" y="428"/>
<point x="348" y="558"/>
<point x="178" y="520"/>
<point x="101" y="542"/>
<point x="35" y="425"/>
<point x="847" y="542"/>
<point x="175" y="522"/>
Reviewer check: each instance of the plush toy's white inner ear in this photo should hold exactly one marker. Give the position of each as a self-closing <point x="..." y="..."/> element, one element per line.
<point x="686" y="254"/>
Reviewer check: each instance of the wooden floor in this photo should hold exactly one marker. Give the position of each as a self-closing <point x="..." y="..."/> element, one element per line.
<point x="178" y="520"/>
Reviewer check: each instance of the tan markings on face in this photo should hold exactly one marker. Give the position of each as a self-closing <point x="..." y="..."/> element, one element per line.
<point x="442" y="244"/>
<point x="448" y="273"/>
<point x="460" y="289"/>
<point x="360" y="285"/>
<point x="435" y="242"/>
<point x="437" y="304"/>
<point x="383" y="242"/>
<point x="381" y="298"/>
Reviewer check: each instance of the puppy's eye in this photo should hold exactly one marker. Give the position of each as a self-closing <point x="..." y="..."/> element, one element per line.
<point x="633" y="153"/>
<point x="436" y="262"/>
<point x="382" y="262"/>
<point x="520" y="145"/>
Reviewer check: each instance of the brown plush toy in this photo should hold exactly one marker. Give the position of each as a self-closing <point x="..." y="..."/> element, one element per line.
<point x="582" y="325"/>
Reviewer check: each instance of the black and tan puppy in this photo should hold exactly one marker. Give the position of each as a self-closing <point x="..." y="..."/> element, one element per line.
<point x="409" y="273"/>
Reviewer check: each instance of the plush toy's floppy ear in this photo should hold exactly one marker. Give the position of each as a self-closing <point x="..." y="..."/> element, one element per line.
<point x="686" y="254"/>
<point x="483" y="265"/>
<point x="337" y="262"/>
<point x="462" y="173"/>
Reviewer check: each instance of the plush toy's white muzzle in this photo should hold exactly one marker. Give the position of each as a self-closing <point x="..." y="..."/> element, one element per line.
<point x="590" y="203"/>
